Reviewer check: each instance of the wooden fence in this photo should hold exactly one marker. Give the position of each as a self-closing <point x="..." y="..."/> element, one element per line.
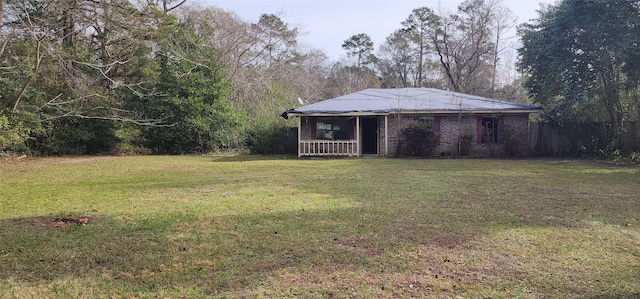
<point x="582" y="139"/>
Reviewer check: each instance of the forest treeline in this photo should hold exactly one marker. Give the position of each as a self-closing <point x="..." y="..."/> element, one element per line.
<point x="172" y="76"/>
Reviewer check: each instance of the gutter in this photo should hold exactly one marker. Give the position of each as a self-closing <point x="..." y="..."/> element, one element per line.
<point x="293" y="112"/>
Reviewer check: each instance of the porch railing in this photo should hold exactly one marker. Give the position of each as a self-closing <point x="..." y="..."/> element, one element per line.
<point x="328" y="148"/>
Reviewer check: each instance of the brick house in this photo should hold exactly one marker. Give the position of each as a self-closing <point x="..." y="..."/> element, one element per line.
<point x="368" y="122"/>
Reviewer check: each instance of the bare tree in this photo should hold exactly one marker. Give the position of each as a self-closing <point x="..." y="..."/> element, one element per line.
<point x="466" y="45"/>
<point x="2" y="4"/>
<point x="64" y="77"/>
<point x="396" y="60"/>
<point x="345" y="79"/>
<point x="503" y="20"/>
<point x="419" y="26"/>
<point x="169" y="5"/>
<point x="463" y="44"/>
<point x="268" y="66"/>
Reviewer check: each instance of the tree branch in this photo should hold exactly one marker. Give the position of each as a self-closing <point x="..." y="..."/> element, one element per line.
<point x="166" y="10"/>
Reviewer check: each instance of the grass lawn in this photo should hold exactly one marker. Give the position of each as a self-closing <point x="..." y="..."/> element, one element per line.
<point x="265" y="227"/>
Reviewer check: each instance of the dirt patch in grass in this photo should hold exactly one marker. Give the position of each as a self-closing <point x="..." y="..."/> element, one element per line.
<point x="268" y="265"/>
<point x="41" y="222"/>
<point x="468" y="269"/>
<point x="361" y="244"/>
<point x="427" y="235"/>
<point x="470" y="263"/>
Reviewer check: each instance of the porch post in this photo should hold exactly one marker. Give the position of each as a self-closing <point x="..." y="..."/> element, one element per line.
<point x="299" y="135"/>
<point x="358" y="136"/>
<point x="386" y="135"/>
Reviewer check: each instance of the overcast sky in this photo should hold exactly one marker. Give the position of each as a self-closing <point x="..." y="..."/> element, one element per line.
<point x="328" y="23"/>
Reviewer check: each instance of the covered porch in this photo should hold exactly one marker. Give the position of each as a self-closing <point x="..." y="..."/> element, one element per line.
<point x="342" y="135"/>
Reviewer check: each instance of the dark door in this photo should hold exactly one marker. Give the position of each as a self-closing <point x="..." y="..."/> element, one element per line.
<point x="369" y="135"/>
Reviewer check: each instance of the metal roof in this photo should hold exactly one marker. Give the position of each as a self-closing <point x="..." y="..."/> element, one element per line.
<point x="409" y="100"/>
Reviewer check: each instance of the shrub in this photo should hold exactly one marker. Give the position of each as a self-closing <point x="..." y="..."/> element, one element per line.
<point x="515" y="142"/>
<point x="75" y="136"/>
<point x="13" y="135"/>
<point x="464" y="144"/>
<point x="273" y="138"/>
<point x="129" y="141"/>
<point x="418" y="139"/>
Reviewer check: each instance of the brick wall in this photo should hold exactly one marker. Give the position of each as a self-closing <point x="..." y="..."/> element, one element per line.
<point x="396" y="123"/>
<point x="513" y="134"/>
<point x="305" y="128"/>
<point x="513" y="129"/>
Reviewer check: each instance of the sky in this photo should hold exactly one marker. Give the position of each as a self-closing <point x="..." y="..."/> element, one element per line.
<point x="326" y="24"/>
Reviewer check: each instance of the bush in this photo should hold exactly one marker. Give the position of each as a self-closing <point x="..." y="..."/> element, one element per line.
<point x="274" y="138"/>
<point x="74" y="136"/>
<point x="129" y="141"/>
<point x="13" y="135"/>
<point x="515" y="142"/>
<point x="464" y="144"/>
<point x="418" y="139"/>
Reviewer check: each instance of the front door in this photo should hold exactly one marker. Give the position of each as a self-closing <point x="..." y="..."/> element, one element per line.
<point x="369" y="135"/>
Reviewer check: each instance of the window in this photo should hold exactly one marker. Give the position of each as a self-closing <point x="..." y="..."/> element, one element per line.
<point x="489" y="130"/>
<point x="332" y="128"/>
<point x="428" y="120"/>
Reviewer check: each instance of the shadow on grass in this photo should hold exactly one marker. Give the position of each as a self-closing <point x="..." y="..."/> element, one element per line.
<point x="391" y="220"/>
<point x="213" y="253"/>
<point x="45" y="249"/>
<point x="248" y="158"/>
<point x="226" y="254"/>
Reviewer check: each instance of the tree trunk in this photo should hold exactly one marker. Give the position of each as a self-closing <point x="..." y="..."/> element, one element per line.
<point x="2" y="3"/>
<point x="494" y="69"/>
<point x="68" y="24"/>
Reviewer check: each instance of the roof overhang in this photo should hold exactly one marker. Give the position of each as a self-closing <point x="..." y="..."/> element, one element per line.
<point x="416" y="112"/>
<point x="409" y="101"/>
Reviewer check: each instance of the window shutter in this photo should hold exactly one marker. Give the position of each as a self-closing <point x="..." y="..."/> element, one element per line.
<point x="352" y="129"/>
<point x="478" y="129"/>
<point x="500" y="128"/>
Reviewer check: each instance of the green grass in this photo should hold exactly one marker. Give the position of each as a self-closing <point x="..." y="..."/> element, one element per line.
<point x="266" y="227"/>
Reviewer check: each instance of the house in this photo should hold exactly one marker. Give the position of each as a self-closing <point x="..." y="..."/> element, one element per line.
<point x="368" y="123"/>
